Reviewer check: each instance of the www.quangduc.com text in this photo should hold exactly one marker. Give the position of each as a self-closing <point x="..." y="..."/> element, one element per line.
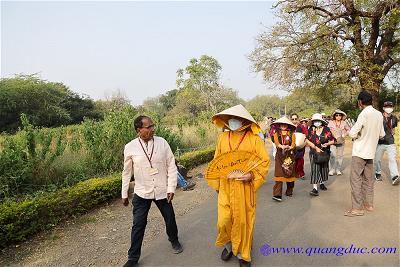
<point x="267" y="250"/>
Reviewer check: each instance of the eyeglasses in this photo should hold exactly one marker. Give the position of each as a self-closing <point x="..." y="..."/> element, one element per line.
<point x="149" y="127"/>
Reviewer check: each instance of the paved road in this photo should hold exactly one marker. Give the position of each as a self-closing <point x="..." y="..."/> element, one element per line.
<point x="301" y="221"/>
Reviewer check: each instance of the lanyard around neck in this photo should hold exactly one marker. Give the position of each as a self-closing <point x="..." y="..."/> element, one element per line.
<point x="151" y="155"/>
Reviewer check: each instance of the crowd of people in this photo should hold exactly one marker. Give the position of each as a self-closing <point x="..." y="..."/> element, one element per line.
<point x="151" y="160"/>
<point x="325" y="136"/>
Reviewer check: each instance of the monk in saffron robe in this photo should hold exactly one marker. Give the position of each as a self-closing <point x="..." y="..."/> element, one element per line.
<point x="237" y="197"/>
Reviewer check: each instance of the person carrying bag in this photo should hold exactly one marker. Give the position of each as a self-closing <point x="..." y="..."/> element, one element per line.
<point x="319" y="139"/>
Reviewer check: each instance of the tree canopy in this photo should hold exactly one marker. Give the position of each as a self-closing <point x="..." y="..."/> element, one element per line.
<point x="331" y="45"/>
<point x="44" y="103"/>
<point x="199" y="94"/>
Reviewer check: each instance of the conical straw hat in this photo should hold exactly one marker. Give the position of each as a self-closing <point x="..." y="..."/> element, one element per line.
<point x="221" y="119"/>
<point x="284" y="120"/>
<point x="238" y="111"/>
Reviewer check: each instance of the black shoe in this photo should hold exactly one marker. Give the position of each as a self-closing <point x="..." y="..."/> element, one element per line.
<point x="378" y="177"/>
<point x="243" y="263"/>
<point x="277" y="198"/>
<point x="189" y="187"/>
<point x="395" y="180"/>
<point x="130" y="263"/>
<point x="177" y="247"/>
<point x="323" y="187"/>
<point x="314" y="192"/>
<point x="225" y="255"/>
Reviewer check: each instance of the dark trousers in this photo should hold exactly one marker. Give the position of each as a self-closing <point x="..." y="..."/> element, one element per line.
<point x="141" y="209"/>
<point x="277" y="191"/>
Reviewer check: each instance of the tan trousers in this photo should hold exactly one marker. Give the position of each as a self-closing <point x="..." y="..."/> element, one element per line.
<point x="362" y="182"/>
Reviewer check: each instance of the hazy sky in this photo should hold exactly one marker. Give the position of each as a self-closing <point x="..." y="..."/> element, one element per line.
<point x="96" y="48"/>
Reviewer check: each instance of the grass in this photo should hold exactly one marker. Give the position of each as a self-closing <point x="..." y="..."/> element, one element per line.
<point x="198" y="136"/>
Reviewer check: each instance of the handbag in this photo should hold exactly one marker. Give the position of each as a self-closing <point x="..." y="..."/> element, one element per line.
<point x="322" y="157"/>
<point x="338" y="134"/>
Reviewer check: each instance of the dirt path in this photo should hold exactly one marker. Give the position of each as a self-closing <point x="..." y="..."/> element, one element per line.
<point x="101" y="237"/>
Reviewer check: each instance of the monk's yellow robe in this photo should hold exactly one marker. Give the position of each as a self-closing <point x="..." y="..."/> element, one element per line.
<point x="237" y="199"/>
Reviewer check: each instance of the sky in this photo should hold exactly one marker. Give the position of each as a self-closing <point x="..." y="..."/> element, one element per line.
<point x="97" y="48"/>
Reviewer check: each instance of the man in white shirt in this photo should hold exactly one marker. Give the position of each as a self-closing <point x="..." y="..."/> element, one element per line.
<point x="366" y="133"/>
<point x="152" y="162"/>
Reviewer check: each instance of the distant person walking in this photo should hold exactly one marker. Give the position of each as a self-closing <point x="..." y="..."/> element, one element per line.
<point x="301" y="127"/>
<point x="340" y="129"/>
<point x="387" y="144"/>
<point x="366" y="133"/>
<point x="285" y="168"/>
<point x="319" y="139"/>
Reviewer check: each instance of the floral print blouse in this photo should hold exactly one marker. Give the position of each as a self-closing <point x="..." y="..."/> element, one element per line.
<point x="325" y="136"/>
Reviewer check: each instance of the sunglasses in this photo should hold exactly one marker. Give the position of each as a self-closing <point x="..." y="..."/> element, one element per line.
<point x="294" y="119"/>
<point x="340" y="115"/>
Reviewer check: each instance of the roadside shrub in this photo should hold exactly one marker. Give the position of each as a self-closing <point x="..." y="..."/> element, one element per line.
<point x="192" y="159"/>
<point x="20" y="220"/>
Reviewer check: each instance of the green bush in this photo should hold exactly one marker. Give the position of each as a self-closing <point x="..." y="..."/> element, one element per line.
<point x="192" y="159"/>
<point x="20" y="220"/>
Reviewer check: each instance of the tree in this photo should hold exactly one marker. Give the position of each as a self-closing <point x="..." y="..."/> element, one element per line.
<point x="265" y="106"/>
<point x="168" y="100"/>
<point x="199" y="94"/>
<point x="330" y="45"/>
<point x="202" y="75"/>
<point x="45" y="103"/>
<point x="118" y="101"/>
<point x="80" y="107"/>
<point x="40" y="100"/>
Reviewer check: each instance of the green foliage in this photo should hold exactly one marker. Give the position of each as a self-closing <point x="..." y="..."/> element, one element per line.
<point x="199" y="92"/>
<point x="173" y="140"/>
<point x="37" y="159"/>
<point x="118" y="101"/>
<point x="15" y="166"/>
<point x="46" y="104"/>
<point x="331" y="45"/>
<point x="264" y="105"/>
<point x="192" y="159"/>
<point x="19" y="220"/>
<point x="201" y="133"/>
<point x="80" y="107"/>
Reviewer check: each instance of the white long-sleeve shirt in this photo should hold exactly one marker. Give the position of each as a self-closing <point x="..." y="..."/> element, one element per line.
<point x="366" y="131"/>
<point x="149" y="186"/>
